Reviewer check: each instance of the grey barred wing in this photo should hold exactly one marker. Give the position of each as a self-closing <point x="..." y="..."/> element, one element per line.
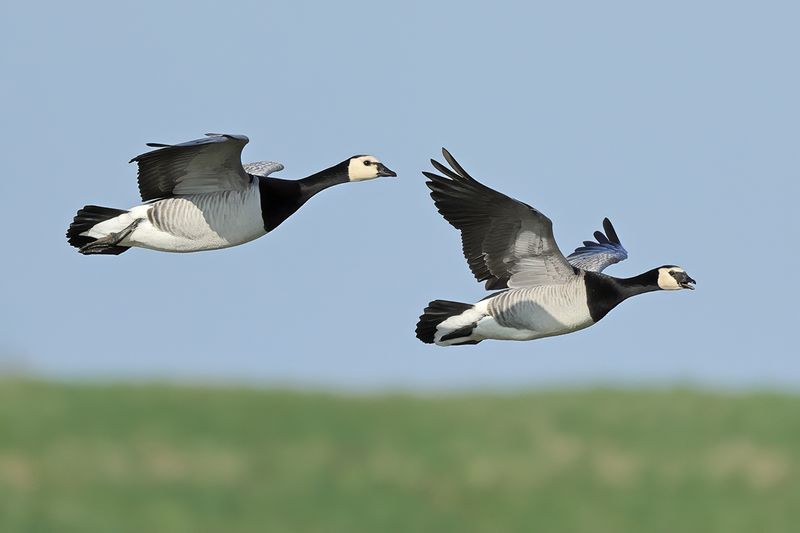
<point x="506" y="243"/>
<point x="210" y="164"/>
<point x="263" y="168"/>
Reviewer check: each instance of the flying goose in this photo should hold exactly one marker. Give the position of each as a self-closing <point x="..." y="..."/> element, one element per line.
<point x="198" y="196"/>
<point x="510" y="245"/>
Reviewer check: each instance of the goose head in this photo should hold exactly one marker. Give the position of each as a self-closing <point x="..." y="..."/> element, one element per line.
<point x="366" y="167"/>
<point x="673" y="278"/>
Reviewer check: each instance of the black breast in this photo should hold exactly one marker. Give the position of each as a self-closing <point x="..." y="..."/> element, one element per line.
<point x="602" y="294"/>
<point x="279" y="199"/>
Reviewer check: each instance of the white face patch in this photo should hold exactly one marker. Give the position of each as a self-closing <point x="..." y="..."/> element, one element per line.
<point x="363" y="168"/>
<point x="666" y="281"/>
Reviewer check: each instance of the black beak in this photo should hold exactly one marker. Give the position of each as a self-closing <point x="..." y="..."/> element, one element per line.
<point x="688" y="283"/>
<point x="383" y="171"/>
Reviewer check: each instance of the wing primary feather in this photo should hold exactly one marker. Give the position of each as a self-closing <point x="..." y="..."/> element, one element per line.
<point x="601" y="238"/>
<point x="610" y="231"/>
<point x="443" y="184"/>
<point x="435" y="178"/>
<point x="446" y="171"/>
<point x="453" y="163"/>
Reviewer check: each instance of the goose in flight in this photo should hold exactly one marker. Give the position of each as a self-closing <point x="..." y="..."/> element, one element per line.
<point x="510" y="246"/>
<point x="199" y="196"/>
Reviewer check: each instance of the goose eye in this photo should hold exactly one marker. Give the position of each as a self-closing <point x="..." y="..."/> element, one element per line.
<point x="368" y="163"/>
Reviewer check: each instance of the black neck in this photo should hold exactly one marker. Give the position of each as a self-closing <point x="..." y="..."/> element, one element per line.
<point x="281" y="198"/>
<point x="604" y="293"/>
<point x="323" y="179"/>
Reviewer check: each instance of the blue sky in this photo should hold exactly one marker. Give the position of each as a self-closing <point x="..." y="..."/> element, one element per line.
<point x="678" y="120"/>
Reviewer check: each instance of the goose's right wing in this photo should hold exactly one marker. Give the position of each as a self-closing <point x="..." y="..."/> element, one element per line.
<point x="596" y="256"/>
<point x="506" y="243"/>
<point x="263" y="168"/>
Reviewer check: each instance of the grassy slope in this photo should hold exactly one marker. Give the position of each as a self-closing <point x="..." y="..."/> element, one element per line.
<point x="133" y="459"/>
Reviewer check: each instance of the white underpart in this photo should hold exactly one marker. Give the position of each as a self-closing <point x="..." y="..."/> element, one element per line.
<point x="665" y="279"/>
<point x="191" y="223"/>
<point x="358" y="171"/>
<point x="523" y="314"/>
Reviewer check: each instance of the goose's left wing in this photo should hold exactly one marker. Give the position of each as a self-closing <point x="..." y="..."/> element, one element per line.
<point x="596" y="256"/>
<point x="206" y="165"/>
<point x="506" y="243"/>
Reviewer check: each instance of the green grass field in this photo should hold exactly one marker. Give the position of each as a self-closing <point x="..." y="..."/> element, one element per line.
<point x="85" y="458"/>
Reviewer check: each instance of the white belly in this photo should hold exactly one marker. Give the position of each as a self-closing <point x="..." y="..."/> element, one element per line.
<point x="488" y="328"/>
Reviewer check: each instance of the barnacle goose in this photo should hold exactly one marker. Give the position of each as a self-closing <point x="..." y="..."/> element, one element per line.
<point x="510" y="245"/>
<point x="198" y="196"/>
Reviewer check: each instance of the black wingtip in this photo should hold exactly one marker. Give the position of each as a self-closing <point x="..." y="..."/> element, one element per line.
<point x="151" y="145"/>
<point x="431" y="176"/>
<point x="451" y="160"/>
<point x="455" y="165"/>
<point x="611" y="232"/>
<point x="446" y="171"/>
<point x="600" y="237"/>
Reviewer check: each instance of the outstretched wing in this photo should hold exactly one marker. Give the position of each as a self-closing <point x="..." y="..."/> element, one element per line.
<point x="263" y="168"/>
<point x="204" y="165"/>
<point x="596" y="256"/>
<point x="506" y="243"/>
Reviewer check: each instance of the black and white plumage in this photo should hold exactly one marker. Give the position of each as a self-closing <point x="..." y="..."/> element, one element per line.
<point x="199" y="196"/>
<point x="510" y="245"/>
